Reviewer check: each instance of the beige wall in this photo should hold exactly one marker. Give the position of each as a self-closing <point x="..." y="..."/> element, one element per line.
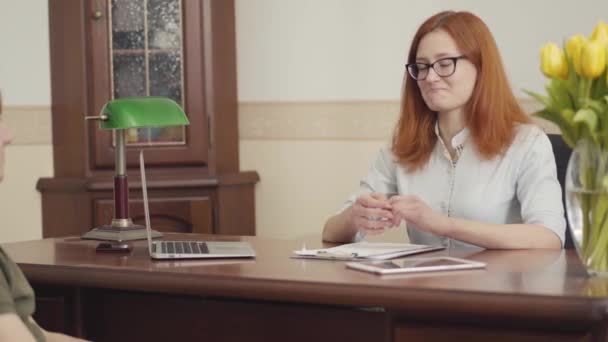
<point x="21" y="207"/>
<point x="28" y="158"/>
<point x="24" y="57"/>
<point x="318" y="85"/>
<point x="327" y="50"/>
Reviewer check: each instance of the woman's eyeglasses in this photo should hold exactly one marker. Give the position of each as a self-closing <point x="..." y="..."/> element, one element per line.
<point x="443" y="67"/>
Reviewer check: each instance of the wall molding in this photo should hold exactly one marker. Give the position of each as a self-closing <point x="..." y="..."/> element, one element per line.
<point x="306" y="120"/>
<point x="339" y="120"/>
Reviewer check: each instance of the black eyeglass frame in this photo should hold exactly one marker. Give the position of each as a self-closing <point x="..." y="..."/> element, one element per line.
<point x="432" y="65"/>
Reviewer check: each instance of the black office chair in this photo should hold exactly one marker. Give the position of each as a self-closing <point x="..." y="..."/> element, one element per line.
<point x="562" y="154"/>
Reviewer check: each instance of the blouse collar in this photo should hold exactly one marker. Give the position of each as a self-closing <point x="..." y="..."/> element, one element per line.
<point x="457" y="141"/>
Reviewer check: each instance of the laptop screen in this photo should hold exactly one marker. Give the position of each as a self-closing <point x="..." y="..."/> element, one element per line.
<point x="144" y="190"/>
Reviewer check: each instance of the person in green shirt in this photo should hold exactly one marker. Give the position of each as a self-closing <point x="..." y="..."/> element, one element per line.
<point x="17" y="301"/>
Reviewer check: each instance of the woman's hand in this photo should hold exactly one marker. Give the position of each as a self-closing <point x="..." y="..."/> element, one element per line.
<point x="371" y="214"/>
<point x="413" y="210"/>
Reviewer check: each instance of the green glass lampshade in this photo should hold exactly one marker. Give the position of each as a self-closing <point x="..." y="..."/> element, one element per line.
<point x="145" y="111"/>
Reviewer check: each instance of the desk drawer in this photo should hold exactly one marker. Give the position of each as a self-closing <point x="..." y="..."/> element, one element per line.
<point x="441" y="332"/>
<point x="166" y="317"/>
<point x="167" y="214"/>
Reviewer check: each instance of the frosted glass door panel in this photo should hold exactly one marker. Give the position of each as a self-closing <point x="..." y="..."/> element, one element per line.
<point x="146" y="59"/>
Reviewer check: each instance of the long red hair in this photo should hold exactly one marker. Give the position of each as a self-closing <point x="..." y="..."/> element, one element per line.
<point x="492" y="112"/>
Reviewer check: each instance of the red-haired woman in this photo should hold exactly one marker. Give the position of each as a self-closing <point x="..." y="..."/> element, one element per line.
<point x="465" y="166"/>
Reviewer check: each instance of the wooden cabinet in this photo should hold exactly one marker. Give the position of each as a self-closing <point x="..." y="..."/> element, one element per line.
<point x="185" y="50"/>
<point x="179" y="215"/>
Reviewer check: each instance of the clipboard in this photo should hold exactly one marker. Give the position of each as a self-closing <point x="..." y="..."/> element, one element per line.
<point x="364" y="251"/>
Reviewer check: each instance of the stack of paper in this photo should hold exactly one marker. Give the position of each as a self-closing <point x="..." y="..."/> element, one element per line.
<point x="365" y="251"/>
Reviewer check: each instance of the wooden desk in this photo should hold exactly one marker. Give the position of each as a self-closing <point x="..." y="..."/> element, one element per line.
<point x="522" y="295"/>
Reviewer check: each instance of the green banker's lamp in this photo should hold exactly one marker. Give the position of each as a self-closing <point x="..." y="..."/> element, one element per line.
<point x="120" y="115"/>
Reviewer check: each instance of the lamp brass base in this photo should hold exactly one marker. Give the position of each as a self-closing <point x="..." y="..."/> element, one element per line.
<point x="112" y="233"/>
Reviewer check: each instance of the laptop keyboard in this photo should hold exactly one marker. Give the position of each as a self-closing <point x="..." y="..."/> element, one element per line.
<point x="183" y="247"/>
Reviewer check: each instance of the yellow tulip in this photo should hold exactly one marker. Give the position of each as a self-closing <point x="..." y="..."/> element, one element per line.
<point x="553" y="61"/>
<point x="592" y="60"/>
<point x="600" y="33"/>
<point x="574" y="43"/>
<point x="576" y="59"/>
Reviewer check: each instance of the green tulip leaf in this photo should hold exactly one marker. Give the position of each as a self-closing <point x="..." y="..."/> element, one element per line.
<point x="605" y="183"/>
<point x="553" y="96"/>
<point x="567" y="127"/>
<point x="595" y="105"/>
<point x="568" y="115"/>
<point x="561" y="94"/>
<point x="552" y="116"/>
<point x="587" y="119"/>
<point x="540" y="98"/>
<point x="603" y="115"/>
<point x="599" y="87"/>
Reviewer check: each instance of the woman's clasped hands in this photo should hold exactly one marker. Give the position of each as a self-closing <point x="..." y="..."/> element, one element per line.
<point x="374" y="213"/>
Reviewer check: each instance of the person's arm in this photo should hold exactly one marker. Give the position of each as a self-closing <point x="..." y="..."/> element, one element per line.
<point x="56" y="337"/>
<point x="363" y="211"/>
<point x="502" y="236"/>
<point x="538" y="190"/>
<point x="370" y="214"/>
<point x="12" y="329"/>
<point x="487" y="235"/>
<point x="339" y="228"/>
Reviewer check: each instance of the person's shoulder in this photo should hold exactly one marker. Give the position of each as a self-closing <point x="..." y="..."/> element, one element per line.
<point x="386" y="150"/>
<point x="527" y="131"/>
<point x="529" y="140"/>
<point x="4" y="259"/>
<point x="385" y="155"/>
<point x="527" y="135"/>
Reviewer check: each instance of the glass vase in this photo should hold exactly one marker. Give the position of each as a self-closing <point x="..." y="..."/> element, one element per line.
<point x="587" y="205"/>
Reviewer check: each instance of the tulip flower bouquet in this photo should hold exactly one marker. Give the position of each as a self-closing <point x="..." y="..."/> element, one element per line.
<point x="577" y="102"/>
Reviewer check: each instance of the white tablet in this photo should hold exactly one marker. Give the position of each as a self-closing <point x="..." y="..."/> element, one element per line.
<point x="415" y="265"/>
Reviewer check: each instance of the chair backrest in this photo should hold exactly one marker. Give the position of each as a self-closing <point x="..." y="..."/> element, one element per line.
<point x="562" y="154"/>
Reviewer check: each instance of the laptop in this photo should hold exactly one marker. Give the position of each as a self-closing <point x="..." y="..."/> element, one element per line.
<point x="194" y="249"/>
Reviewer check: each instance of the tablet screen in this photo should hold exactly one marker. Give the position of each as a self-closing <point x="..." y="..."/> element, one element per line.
<point x="431" y="262"/>
<point x="416" y="263"/>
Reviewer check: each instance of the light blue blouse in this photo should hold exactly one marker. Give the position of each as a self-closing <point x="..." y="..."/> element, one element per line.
<point x="519" y="186"/>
